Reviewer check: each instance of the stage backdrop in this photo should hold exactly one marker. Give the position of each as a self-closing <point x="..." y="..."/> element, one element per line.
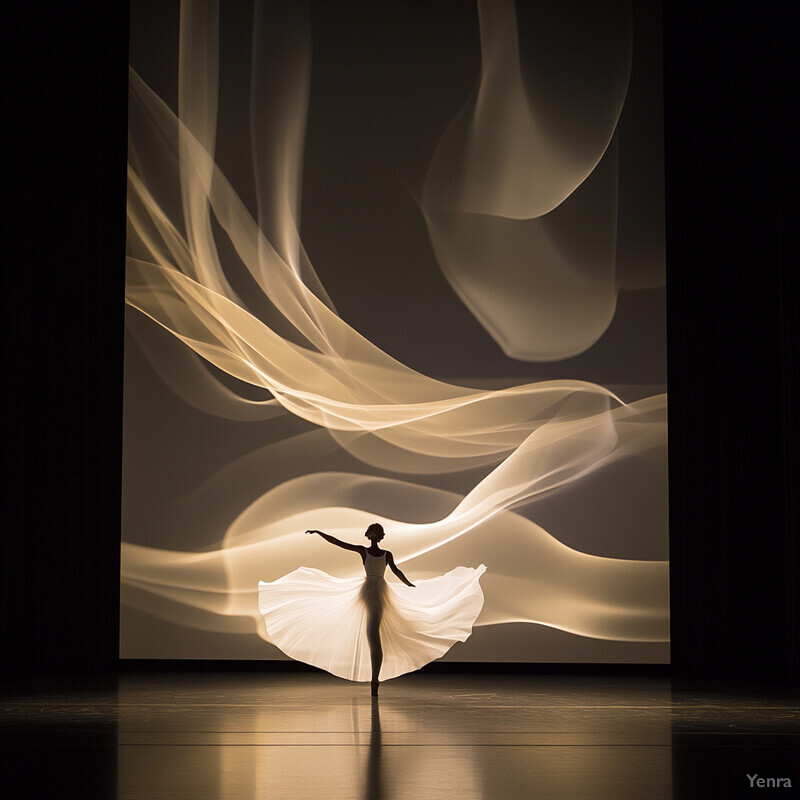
<point x="398" y="262"/>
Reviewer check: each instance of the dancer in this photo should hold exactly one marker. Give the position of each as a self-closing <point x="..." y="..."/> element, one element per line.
<point x="364" y="628"/>
<point x="375" y="562"/>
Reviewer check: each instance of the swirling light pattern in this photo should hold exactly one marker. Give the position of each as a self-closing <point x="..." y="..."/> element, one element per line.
<point x="450" y="470"/>
<point x="524" y="182"/>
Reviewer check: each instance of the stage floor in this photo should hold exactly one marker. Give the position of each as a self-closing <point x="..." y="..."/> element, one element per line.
<point x="230" y="735"/>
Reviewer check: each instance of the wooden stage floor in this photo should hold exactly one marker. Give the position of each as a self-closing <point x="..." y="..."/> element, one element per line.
<point x="230" y="735"/>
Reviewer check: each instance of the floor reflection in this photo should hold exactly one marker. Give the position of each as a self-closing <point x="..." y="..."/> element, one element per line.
<point x="407" y="764"/>
<point x="373" y="785"/>
<point x="427" y="736"/>
<point x="248" y="735"/>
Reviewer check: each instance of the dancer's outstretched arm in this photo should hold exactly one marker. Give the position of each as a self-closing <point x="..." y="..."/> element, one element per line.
<point x="357" y="548"/>
<point x="396" y="569"/>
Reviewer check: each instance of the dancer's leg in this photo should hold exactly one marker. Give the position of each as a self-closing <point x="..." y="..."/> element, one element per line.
<point x="375" y="647"/>
<point x="372" y="595"/>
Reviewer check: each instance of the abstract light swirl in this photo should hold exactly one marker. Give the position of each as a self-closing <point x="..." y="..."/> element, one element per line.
<point x="454" y="472"/>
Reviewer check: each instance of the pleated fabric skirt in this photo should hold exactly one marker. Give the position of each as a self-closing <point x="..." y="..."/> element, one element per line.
<point x="321" y="620"/>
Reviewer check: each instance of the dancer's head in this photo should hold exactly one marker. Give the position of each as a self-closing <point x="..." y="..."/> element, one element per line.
<point x="375" y="532"/>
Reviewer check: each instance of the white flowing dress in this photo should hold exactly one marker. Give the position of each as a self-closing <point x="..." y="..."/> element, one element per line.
<point x="321" y="620"/>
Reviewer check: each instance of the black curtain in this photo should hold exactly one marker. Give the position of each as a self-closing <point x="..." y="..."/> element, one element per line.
<point x="731" y="125"/>
<point x="65" y="147"/>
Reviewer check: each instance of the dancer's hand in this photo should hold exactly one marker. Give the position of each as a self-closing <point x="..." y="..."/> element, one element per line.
<point x="312" y="531"/>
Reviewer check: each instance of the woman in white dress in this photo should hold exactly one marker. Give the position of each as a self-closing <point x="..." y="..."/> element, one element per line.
<point x="363" y="628"/>
<point x="373" y="591"/>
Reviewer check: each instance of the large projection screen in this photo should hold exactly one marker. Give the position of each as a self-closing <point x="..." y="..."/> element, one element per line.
<point x="397" y="262"/>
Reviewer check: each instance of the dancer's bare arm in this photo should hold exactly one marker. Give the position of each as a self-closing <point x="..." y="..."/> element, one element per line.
<point x="356" y="548"/>
<point x="396" y="569"/>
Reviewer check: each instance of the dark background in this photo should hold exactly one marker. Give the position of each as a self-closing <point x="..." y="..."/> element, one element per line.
<point x="731" y="166"/>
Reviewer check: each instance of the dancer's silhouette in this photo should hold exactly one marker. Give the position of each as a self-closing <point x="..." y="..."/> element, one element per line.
<point x="373" y="592"/>
<point x="365" y="628"/>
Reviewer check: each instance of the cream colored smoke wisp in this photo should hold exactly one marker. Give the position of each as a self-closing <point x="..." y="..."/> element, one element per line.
<point x="523" y="184"/>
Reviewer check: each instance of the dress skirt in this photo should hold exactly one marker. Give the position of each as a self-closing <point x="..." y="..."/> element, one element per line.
<point x="321" y="620"/>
